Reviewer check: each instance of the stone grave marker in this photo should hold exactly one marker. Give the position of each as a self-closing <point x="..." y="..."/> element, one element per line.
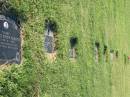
<point x="10" y="41"/>
<point x="73" y="43"/>
<point x="117" y="54"/>
<point x="50" y="41"/>
<point x="50" y="30"/>
<point x="96" y="48"/>
<point x="105" y="53"/>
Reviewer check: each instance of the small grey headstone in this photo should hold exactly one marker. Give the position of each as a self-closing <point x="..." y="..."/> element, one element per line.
<point x="73" y="43"/>
<point x="50" y="29"/>
<point x="49" y="42"/>
<point x="72" y="53"/>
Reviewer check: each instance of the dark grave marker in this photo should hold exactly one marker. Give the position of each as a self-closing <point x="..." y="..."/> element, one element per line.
<point x="105" y="53"/>
<point x="117" y="54"/>
<point x="73" y="43"/>
<point x="97" y="46"/>
<point x="50" y="30"/>
<point x="10" y="41"/>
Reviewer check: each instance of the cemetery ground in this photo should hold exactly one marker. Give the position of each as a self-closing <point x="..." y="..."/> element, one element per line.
<point x="105" y="22"/>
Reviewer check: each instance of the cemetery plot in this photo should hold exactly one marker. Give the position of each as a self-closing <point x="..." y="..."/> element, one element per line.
<point x="50" y="38"/>
<point x="10" y="41"/>
<point x="72" y="51"/>
<point x="96" y="48"/>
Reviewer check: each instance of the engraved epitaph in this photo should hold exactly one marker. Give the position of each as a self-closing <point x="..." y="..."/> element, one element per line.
<point x="10" y="41"/>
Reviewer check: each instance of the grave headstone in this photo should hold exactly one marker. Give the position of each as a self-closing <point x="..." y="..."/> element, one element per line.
<point x="105" y="53"/>
<point x="10" y="41"/>
<point x="50" y="30"/>
<point x="72" y="51"/>
<point x="50" y="42"/>
<point x="117" y="54"/>
<point x="96" y="48"/>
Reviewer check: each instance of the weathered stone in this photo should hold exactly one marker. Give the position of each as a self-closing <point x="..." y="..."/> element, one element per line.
<point x="10" y="41"/>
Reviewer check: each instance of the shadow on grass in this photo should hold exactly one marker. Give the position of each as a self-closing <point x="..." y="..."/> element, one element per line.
<point x="8" y="10"/>
<point x="51" y="25"/>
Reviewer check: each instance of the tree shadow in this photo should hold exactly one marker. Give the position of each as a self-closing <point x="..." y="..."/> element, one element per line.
<point x="8" y="10"/>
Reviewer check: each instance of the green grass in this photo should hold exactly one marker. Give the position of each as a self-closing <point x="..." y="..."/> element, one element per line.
<point x="105" y="21"/>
